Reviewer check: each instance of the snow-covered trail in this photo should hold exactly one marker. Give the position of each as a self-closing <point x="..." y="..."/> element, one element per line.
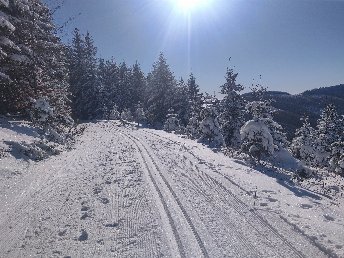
<point x="124" y="192"/>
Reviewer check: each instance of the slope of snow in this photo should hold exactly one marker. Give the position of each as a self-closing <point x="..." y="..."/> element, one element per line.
<point x="128" y="192"/>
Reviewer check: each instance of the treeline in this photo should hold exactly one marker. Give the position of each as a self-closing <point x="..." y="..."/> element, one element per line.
<point x="55" y="85"/>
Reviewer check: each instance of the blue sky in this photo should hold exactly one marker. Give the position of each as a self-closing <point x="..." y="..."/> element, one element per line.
<point x="294" y="44"/>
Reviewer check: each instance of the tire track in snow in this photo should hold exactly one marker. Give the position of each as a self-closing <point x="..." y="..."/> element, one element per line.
<point x="255" y="215"/>
<point x="200" y="243"/>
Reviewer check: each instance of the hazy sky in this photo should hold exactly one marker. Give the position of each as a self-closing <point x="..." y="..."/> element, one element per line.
<point x="294" y="44"/>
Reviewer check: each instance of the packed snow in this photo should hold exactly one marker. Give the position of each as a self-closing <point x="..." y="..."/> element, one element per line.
<point x="124" y="191"/>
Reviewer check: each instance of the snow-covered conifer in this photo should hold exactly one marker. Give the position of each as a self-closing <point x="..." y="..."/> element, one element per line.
<point x="114" y="114"/>
<point x="193" y="129"/>
<point x="84" y="83"/>
<point x="126" y="115"/>
<point x="160" y="87"/>
<point x="256" y="139"/>
<point x="140" y="116"/>
<point x="336" y="159"/>
<point x="329" y="130"/>
<point x="302" y="146"/>
<point x="172" y="122"/>
<point x="209" y="126"/>
<point x="259" y="140"/>
<point x="232" y="109"/>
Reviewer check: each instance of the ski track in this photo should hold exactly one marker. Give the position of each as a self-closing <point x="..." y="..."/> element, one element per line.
<point x="216" y="182"/>
<point x="177" y="204"/>
<point x="90" y="202"/>
<point x="124" y="192"/>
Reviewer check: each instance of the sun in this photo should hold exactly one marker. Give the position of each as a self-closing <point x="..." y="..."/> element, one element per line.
<point x="187" y="6"/>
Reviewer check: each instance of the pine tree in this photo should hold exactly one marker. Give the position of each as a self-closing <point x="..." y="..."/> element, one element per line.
<point x="38" y="69"/>
<point x="85" y="86"/>
<point x="108" y="75"/>
<point x="123" y="98"/>
<point x="194" y="96"/>
<point x="261" y="135"/>
<point x="336" y="159"/>
<point x="160" y="87"/>
<point x="210" y="129"/>
<point x="329" y="130"/>
<point x="302" y="145"/>
<point x="180" y="102"/>
<point x="137" y="85"/>
<point x="232" y="109"/>
<point x="8" y="94"/>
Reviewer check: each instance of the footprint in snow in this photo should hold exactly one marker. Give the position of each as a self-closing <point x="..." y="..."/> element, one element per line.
<point x="83" y="236"/>
<point x="306" y="206"/>
<point x="329" y="218"/>
<point x="111" y="225"/>
<point x="272" y="199"/>
<point x="97" y="190"/>
<point x="104" y="200"/>
<point x="85" y="208"/>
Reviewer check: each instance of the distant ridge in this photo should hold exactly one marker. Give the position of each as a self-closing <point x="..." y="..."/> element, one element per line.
<point x="290" y="108"/>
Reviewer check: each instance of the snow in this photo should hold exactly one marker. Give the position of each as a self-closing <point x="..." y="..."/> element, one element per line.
<point x="256" y="131"/>
<point x="4" y="76"/>
<point x="5" y="23"/>
<point x="128" y="192"/>
<point x="4" y="2"/>
<point x="20" y="58"/>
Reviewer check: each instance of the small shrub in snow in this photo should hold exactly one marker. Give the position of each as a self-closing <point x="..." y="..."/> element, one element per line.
<point x="261" y="136"/>
<point x="172" y="122"/>
<point x="37" y="150"/>
<point x="114" y="114"/>
<point x="193" y="130"/>
<point x="126" y="115"/>
<point x="140" y="116"/>
<point x="336" y="161"/>
<point x="210" y="127"/>
<point x="256" y="139"/>
<point x="55" y="128"/>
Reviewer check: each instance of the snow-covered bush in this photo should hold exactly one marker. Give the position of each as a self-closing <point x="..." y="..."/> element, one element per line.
<point x="210" y="128"/>
<point x="36" y="151"/>
<point x="126" y="115"/>
<point x="256" y="139"/>
<point x="337" y="158"/>
<point x="172" y="122"/>
<point x="261" y="136"/>
<point x="193" y="130"/>
<point x="114" y="114"/>
<point x="140" y="116"/>
<point x="302" y="146"/>
<point x="55" y="127"/>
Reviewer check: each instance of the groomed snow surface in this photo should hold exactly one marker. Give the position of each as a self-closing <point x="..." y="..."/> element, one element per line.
<point x="128" y="192"/>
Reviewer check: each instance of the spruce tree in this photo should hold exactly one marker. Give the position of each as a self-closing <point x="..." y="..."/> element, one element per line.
<point x="302" y="146"/>
<point x="261" y="135"/>
<point x="160" y="87"/>
<point x="329" y="130"/>
<point x="210" y="130"/>
<point x="85" y="86"/>
<point x="38" y="70"/>
<point x="137" y="85"/>
<point x="232" y="109"/>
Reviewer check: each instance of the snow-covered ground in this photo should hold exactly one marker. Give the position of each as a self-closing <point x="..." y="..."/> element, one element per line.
<point x="128" y="192"/>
